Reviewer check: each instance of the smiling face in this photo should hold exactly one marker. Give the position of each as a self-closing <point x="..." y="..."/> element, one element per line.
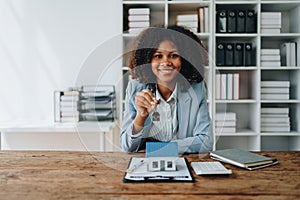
<point x="166" y="63"/>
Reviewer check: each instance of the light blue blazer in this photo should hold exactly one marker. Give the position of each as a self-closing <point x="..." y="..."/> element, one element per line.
<point x="194" y="124"/>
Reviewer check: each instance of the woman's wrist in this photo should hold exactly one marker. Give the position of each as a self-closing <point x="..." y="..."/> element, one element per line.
<point x="138" y="123"/>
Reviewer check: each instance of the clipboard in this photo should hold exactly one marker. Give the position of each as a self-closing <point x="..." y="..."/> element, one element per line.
<point x="138" y="172"/>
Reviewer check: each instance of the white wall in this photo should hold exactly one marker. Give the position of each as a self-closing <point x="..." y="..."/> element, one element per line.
<point x="48" y="45"/>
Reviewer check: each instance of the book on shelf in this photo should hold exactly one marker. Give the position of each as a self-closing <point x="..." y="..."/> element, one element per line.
<point x="243" y="159"/>
<point x="275" y="96"/>
<point x="270" y="58"/>
<point x="139" y="11"/>
<point x="225" y="123"/>
<point x="218" y="86"/>
<point x="275" y="129"/>
<point x="203" y="19"/>
<point x="138" y="24"/>
<point x="275" y="63"/>
<point x="223" y="86"/>
<point x="270" y="30"/>
<point x="138" y="19"/>
<point x="274" y="110"/>
<point x="227" y="86"/>
<point x="187" y="17"/>
<point x="272" y="90"/>
<point x="271" y="119"/>
<point x="188" y="20"/>
<point x="270" y="52"/>
<point x="225" y="116"/>
<point x="270" y="22"/>
<point x="288" y="53"/>
<point x="275" y="84"/>
<point x="225" y="129"/>
<point x="236" y="86"/>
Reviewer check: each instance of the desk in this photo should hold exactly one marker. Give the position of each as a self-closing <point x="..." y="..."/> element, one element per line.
<point x="83" y="136"/>
<point x="81" y="175"/>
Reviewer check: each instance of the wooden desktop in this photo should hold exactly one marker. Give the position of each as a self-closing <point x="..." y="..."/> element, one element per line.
<point x="84" y="175"/>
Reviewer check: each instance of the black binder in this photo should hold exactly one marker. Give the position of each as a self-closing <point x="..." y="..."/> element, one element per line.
<point x="240" y="21"/>
<point x="221" y="21"/>
<point x="220" y="54"/>
<point x="229" y="49"/>
<point x="239" y="54"/>
<point x="231" y="21"/>
<point x="248" y="54"/>
<point x="250" y="21"/>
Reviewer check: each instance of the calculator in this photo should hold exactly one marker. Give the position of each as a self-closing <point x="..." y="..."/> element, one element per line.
<point x="207" y="168"/>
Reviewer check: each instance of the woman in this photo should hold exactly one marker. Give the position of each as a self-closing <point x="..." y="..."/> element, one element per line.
<point x="166" y="98"/>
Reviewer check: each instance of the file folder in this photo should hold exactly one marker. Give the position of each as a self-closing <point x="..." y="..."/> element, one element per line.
<point x="248" y="55"/>
<point x="220" y="54"/>
<point x="221" y="21"/>
<point x="229" y="54"/>
<point x="239" y="54"/>
<point x="240" y="21"/>
<point x="250" y="21"/>
<point x="231" y="22"/>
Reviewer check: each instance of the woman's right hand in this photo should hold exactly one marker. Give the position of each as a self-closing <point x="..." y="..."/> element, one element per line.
<point x="145" y="102"/>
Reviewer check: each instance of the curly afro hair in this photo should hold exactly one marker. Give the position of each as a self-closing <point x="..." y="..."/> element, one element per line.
<point x="191" y="49"/>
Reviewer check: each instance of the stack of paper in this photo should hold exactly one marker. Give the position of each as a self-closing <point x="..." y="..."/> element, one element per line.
<point x="225" y="123"/>
<point x="270" y="22"/>
<point x="275" y="90"/>
<point x="189" y="21"/>
<point x="270" y="58"/>
<point x="275" y="119"/>
<point x="138" y="19"/>
<point x="66" y="103"/>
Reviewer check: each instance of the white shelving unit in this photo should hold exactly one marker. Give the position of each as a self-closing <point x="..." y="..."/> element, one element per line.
<point x="248" y="135"/>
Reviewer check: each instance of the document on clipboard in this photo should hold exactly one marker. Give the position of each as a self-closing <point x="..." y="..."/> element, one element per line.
<point x="138" y="171"/>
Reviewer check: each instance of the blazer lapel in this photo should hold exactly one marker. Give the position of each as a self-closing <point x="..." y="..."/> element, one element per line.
<point x="184" y="104"/>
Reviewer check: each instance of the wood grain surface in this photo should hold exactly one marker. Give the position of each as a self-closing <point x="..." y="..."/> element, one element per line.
<point x="84" y="175"/>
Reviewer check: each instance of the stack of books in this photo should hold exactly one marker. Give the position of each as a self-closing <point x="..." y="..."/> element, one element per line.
<point x="270" y="58"/>
<point x="275" y="120"/>
<point x="225" y="123"/>
<point x="227" y="86"/>
<point x="138" y="19"/>
<point x="189" y="21"/>
<point x="288" y="53"/>
<point x="270" y="22"/>
<point x="203" y="13"/>
<point x="67" y="106"/>
<point x="243" y="159"/>
<point x="275" y="90"/>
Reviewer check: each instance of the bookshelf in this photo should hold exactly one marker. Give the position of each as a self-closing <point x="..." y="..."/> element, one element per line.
<point x="248" y="134"/>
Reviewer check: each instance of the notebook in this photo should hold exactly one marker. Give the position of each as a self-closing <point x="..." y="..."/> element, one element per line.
<point x="242" y="158"/>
